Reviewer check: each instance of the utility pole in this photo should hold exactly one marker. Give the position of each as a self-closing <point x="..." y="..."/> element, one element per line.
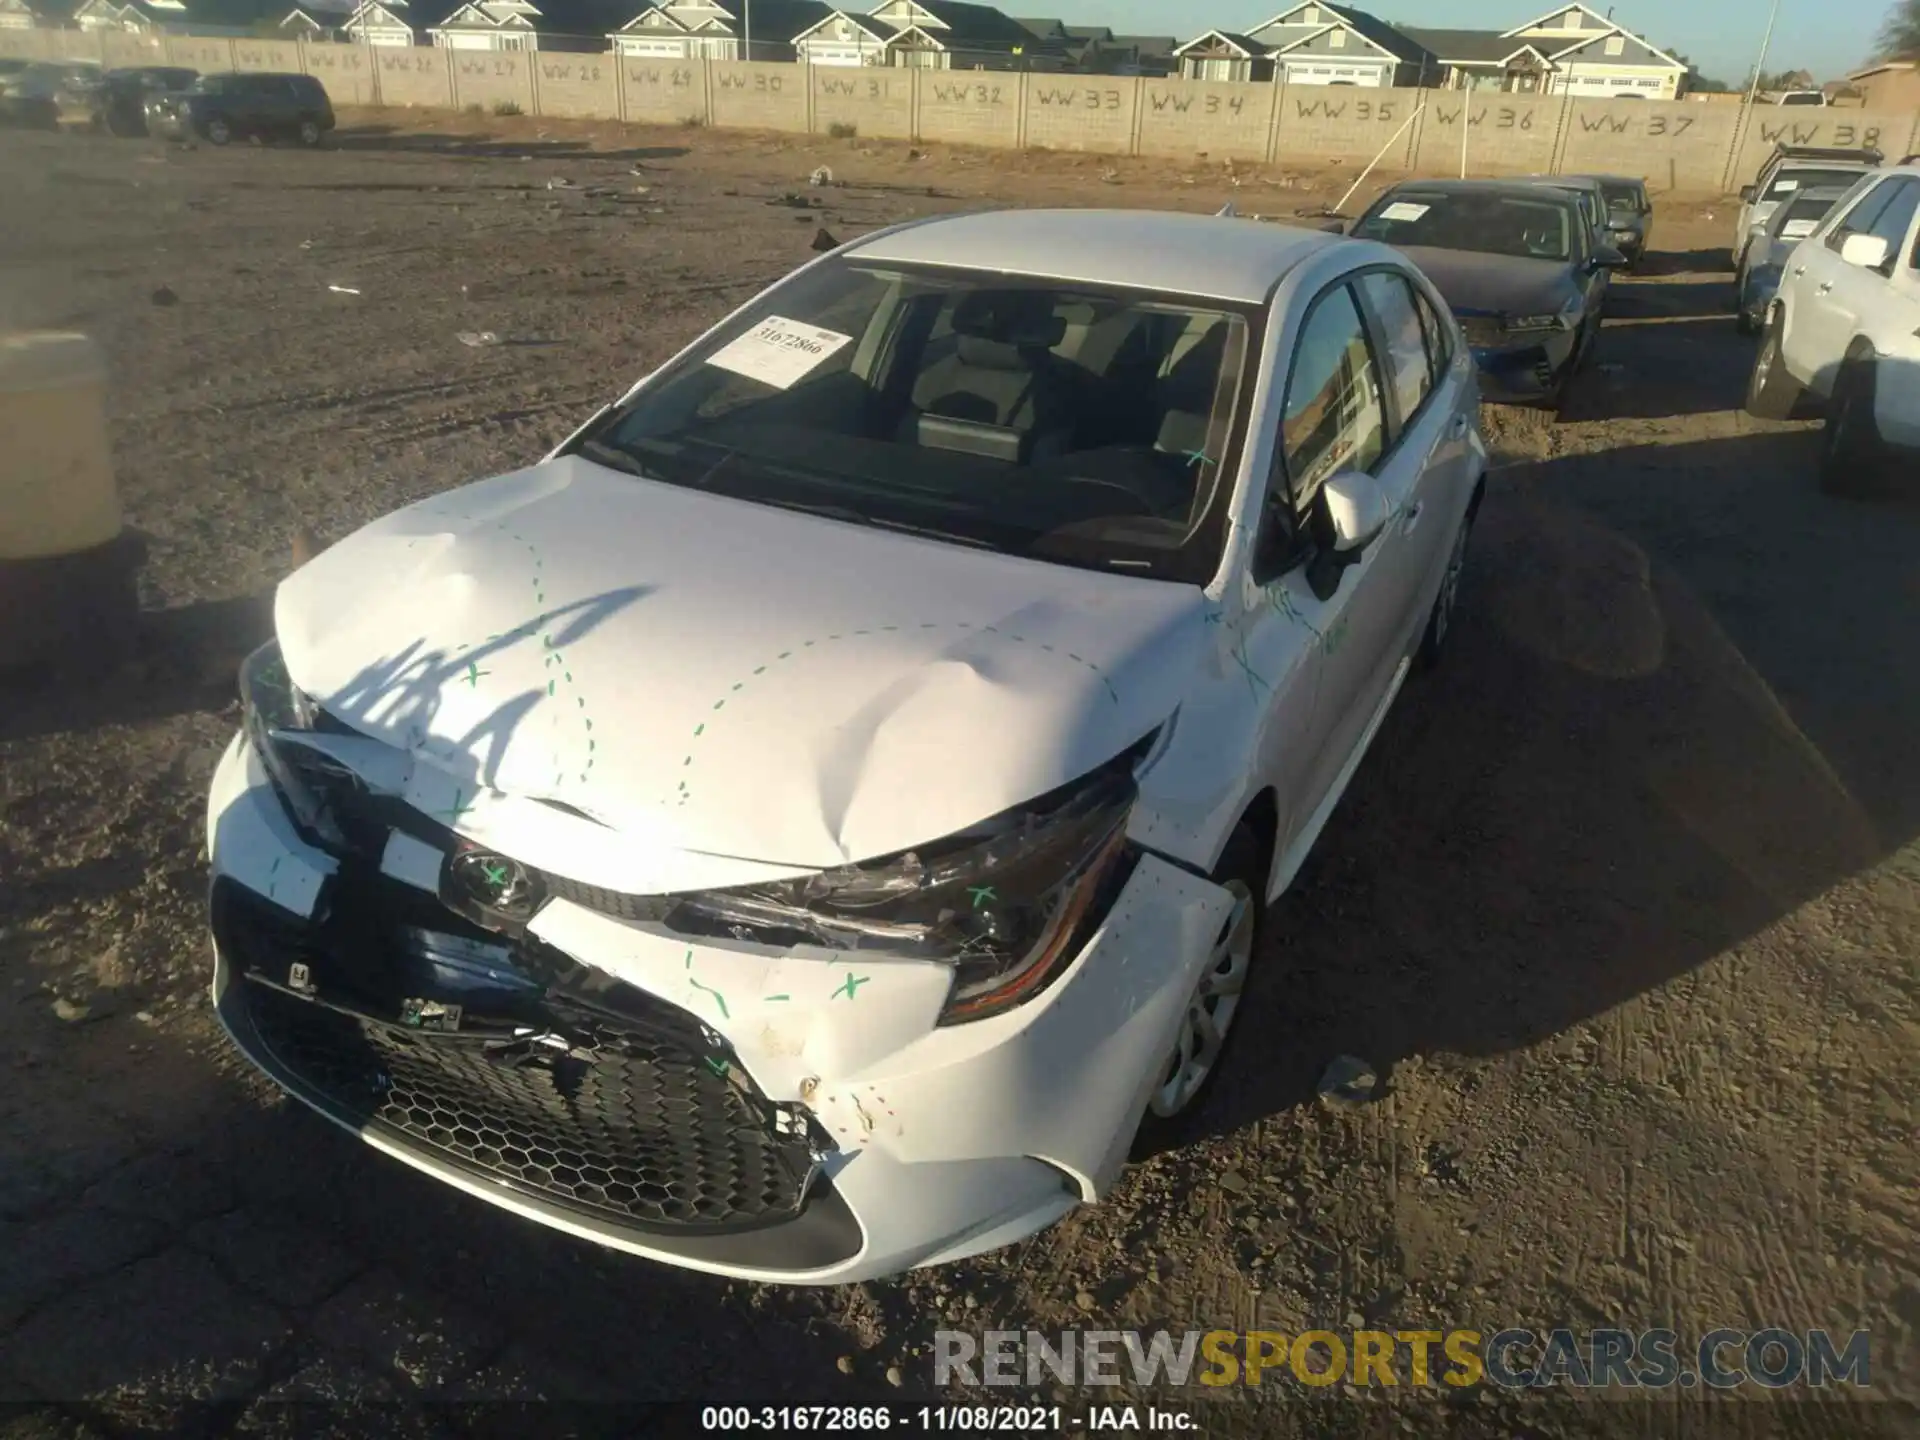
<point x="746" y="25"/>
<point x="1766" y="43"/>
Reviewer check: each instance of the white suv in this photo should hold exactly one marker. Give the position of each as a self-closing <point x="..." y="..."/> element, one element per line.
<point x="800" y="828"/>
<point x="1846" y="326"/>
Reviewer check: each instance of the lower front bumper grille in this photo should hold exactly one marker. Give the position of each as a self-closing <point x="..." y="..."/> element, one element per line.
<point x="630" y="1116"/>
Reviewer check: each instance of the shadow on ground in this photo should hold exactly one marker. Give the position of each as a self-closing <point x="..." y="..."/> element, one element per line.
<point x="1625" y="766"/>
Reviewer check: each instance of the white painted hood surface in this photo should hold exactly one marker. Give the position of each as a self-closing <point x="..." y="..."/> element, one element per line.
<point x="712" y="676"/>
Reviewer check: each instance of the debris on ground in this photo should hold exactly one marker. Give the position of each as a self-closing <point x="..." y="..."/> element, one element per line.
<point x="895" y="1376"/>
<point x="1348" y="1080"/>
<point x="792" y="200"/>
<point x="164" y="296"/>
<point x="845" y="1364"/>
<point x="822" y="176"/>
<point x="475" y="339"/>
<point x="70" y="1011"/>
<point x="823" y="240"/>
<point x="560" y="182"/>
<point x="306" y="244"/>
<point x="343" y="289"/>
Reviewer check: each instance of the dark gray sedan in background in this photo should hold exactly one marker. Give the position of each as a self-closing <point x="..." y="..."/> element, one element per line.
<point x="1518" y="263"/>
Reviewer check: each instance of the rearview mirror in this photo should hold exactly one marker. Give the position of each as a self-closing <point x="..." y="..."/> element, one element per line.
<point x="1357" y="511"/>
<point x="1869" y="252"/>
<point x="1747" y="192"/>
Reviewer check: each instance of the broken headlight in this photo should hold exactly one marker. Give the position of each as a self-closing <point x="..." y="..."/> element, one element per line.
<point x="270" y="704"/>
<point x="1007" y="903"/>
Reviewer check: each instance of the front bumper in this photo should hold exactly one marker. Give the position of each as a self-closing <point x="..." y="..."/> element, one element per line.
<point x="931" y="1143"/>
<point x="1522" y="374"/>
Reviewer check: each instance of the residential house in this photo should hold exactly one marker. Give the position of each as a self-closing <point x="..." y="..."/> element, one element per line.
<point x="391" y="22"/>
<point x="1313" y="43"/>
<point x="719" y="29"/>
<point x="31" y="14"/>
<point x="1570" y="50"/>
<point x="1096" y="50"/>
<point x="949" y="35"/>
<point x="149" y="15"/>
<point x="316" y="20"/>
<point x="1224" y="55"/>
<point x="843" y="38"/>
<point x="1891" y="85"/>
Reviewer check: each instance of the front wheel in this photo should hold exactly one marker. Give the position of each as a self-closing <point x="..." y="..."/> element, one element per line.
<point x="218" y="131"/>
<point x="1440" y="618"/>
<point x="1772" y="393"/>
<point x="1190" y="1071"/>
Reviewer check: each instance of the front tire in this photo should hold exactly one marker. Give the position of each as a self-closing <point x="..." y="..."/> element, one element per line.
<point x="1772" y="393"/>
<point x="218" y="131"/>
<point x="1207" y="1028"/>
<point x="1440" y="619"/>
<point x="1851" y="451"/>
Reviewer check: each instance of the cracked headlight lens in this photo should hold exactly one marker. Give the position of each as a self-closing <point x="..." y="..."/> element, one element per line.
<point x="270" y="705"/>
<point x="1007" y="903"/>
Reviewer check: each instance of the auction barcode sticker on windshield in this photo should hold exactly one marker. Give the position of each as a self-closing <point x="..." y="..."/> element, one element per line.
<point x="778" y="352"/>
<point x="1404" y="210"/>
<point x="1798" y="229"/>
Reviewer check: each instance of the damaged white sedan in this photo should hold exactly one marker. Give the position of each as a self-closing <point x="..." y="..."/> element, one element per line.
<point x="809" y="825"/>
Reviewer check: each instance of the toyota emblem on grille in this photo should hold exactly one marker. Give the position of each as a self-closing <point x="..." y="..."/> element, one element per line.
<point x="493" y="883"/>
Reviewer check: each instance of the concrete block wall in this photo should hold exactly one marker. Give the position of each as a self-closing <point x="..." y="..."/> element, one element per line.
<point x="970" y="107"/>
<point x="1081" y="112"/>
<point x="1213" y="118"/>
<point x="275" y="56"/>
<point x="493" y="79"/>
<point x="662" y="92"/>
<point x="577" y="86"/>
<point x="1345" y="122"/>
<point x="757" y="95"/>
<point x="346" y="70"/>
<point x="873" y="101"/>
<point x="1673" y="145"/>
<point x="1504" y="134"/>
<point x="414" y="75"/>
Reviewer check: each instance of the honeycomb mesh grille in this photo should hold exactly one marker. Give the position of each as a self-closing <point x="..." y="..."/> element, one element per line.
<point x="626" y="1123"/>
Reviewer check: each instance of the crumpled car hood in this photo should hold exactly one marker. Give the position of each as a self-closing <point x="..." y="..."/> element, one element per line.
<point x="703" y="674"/>
<point x="1495" y="284"/>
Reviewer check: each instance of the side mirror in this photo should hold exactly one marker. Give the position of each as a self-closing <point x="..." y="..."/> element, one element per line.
<point x="1747" y="192"/>
<point x="1356" y="511"/>
<point x="1869" y="252"/>
<point x="1605" y="257"/>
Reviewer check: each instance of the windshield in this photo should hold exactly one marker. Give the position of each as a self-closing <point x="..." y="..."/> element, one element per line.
<point x="1789" y="182"/>
<point x="211" y="85"/>
<point x="1802" y="217"/>
<point x="1514" y="225"/>
<point x="1079" y="424"/>
<point x="1622" y="199"/>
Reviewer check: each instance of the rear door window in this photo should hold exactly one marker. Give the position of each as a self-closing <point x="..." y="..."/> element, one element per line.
<point x="1408" y="363"/>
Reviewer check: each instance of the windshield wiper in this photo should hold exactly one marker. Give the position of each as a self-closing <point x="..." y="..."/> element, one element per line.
<point x="615" y="458"/>
<point x="857" y="517"/>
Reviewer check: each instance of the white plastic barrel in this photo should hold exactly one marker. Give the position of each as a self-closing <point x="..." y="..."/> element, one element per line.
<point x="57" y="491"/>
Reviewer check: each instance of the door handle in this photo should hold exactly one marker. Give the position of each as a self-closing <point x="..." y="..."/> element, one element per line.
<point x="1459" y="425"/>
<point x="1412" y="517"/>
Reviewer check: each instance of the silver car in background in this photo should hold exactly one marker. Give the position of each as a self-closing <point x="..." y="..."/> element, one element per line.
<point x="1767" y="252"/>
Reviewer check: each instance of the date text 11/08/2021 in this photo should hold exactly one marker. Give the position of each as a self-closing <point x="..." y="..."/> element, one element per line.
<point x="936" y="1419"/>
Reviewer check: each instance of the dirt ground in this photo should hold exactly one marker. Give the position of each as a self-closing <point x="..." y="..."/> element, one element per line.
<point x="1624" y="904"/>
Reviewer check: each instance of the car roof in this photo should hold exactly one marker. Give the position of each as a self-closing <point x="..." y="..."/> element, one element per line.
<point x="1216" y="256"/>
<point x="1565" y="182"/>
<point x="1864" y="153"/>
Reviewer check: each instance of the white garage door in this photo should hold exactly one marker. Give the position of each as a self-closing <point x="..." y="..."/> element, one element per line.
<point x="1302" y="74"/>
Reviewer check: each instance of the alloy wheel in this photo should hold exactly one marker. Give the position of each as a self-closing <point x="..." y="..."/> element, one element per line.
<point x="1212" y="1007"/>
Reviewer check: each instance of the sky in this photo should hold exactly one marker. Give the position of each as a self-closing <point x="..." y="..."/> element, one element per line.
<point x="1828" y="37"/>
